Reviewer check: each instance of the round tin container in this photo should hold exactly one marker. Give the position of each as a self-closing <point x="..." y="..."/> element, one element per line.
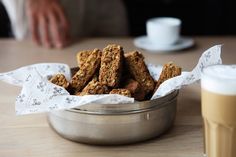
<point x="114" y="124"/>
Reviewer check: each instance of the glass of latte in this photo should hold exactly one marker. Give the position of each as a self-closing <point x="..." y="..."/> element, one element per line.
<point x="218" y="96"/>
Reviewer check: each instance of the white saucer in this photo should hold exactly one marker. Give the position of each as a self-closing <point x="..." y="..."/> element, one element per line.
<point x="144" y="43"/>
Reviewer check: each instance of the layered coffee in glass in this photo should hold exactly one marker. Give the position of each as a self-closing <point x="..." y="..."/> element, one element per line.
<point x="219" y="110"/>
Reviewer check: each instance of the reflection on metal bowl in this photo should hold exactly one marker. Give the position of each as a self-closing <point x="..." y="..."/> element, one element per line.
<point x="114" y="124"/>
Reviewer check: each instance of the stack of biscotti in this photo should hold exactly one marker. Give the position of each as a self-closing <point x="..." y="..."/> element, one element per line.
<point x="112" y="71"/>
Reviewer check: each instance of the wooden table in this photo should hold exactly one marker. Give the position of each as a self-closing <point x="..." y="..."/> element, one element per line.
<point x="30" y="135"/>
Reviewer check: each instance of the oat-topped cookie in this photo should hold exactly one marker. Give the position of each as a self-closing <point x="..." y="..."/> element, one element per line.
<point x="124" y="92"/>
<point x="86" y="71"/>
<point x="111" y="65"/>
<point x="82" y="56"/>
<point x="169" y="70"/>
<point x="94" y="87"/>
<point x="60" y="80"/>
<point x="135" y="89"/>
<point x="137" y="67"/>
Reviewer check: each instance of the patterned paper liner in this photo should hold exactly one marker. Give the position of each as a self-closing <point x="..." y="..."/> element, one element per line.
<point x="40" y="95"/>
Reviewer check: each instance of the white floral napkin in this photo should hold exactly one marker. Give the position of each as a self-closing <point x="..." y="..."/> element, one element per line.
<point x="40" y="95"/>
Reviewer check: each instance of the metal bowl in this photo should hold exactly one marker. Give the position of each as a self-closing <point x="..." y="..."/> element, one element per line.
<point x="113" y="124"/>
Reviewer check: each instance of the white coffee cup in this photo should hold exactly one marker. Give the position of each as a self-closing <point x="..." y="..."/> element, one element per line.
<point x="163" y="30"/>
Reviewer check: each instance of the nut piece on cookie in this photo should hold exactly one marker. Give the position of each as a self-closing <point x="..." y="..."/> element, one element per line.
<point x="82" y="56"/>
<point x="94" y="87"/>
<point x="60" y="80"/>
<point x="124" y="92"/>
<point x="111" y="65"/>
<point x="135" y="89"/>
<point x="86" y="71"/>
<point x="137" y="67"/>
<point x="169" y="70"/>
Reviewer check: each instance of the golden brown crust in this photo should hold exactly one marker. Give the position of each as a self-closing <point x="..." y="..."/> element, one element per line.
<point x="111" y="65"/>
<point x="60" y="80"/>
<point x="87" y="71"/>
<point x="94" y="87"/>
<point x="135" y="89"/>
<point x="100" y="73"/>
<point x="137" y="67"/>
<point x="124" y="92"/>
<point x="169" y="70"/>
<point x="82" y="56"/>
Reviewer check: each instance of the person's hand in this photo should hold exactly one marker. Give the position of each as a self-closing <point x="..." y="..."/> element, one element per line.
<point x="48" y="24"/>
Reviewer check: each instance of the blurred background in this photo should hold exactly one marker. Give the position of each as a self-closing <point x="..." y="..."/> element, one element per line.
<point x="112" y="17"/>
<point x="199" y="17"/>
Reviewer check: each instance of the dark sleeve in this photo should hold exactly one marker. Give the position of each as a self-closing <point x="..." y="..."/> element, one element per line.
<point x="5" y="25"/>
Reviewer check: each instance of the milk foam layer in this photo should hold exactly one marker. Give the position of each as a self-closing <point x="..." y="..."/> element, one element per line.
<point x="220" y="79"/>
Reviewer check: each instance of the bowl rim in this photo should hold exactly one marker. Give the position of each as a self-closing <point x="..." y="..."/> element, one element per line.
<point x="126" y="108"/>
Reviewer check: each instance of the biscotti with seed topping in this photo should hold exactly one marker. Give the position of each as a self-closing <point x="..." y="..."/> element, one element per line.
<point x="124" y="92"/>
<point x="94" y="87"/>
<point x="134" y="61"/>
<point x="60" y="80"/>
<point x="82" y="56"/>
<point x="86" y="71"/>
<point x="111" y="65"/>
<point x="135" y="89"/>
<point x="169" y="70"/>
